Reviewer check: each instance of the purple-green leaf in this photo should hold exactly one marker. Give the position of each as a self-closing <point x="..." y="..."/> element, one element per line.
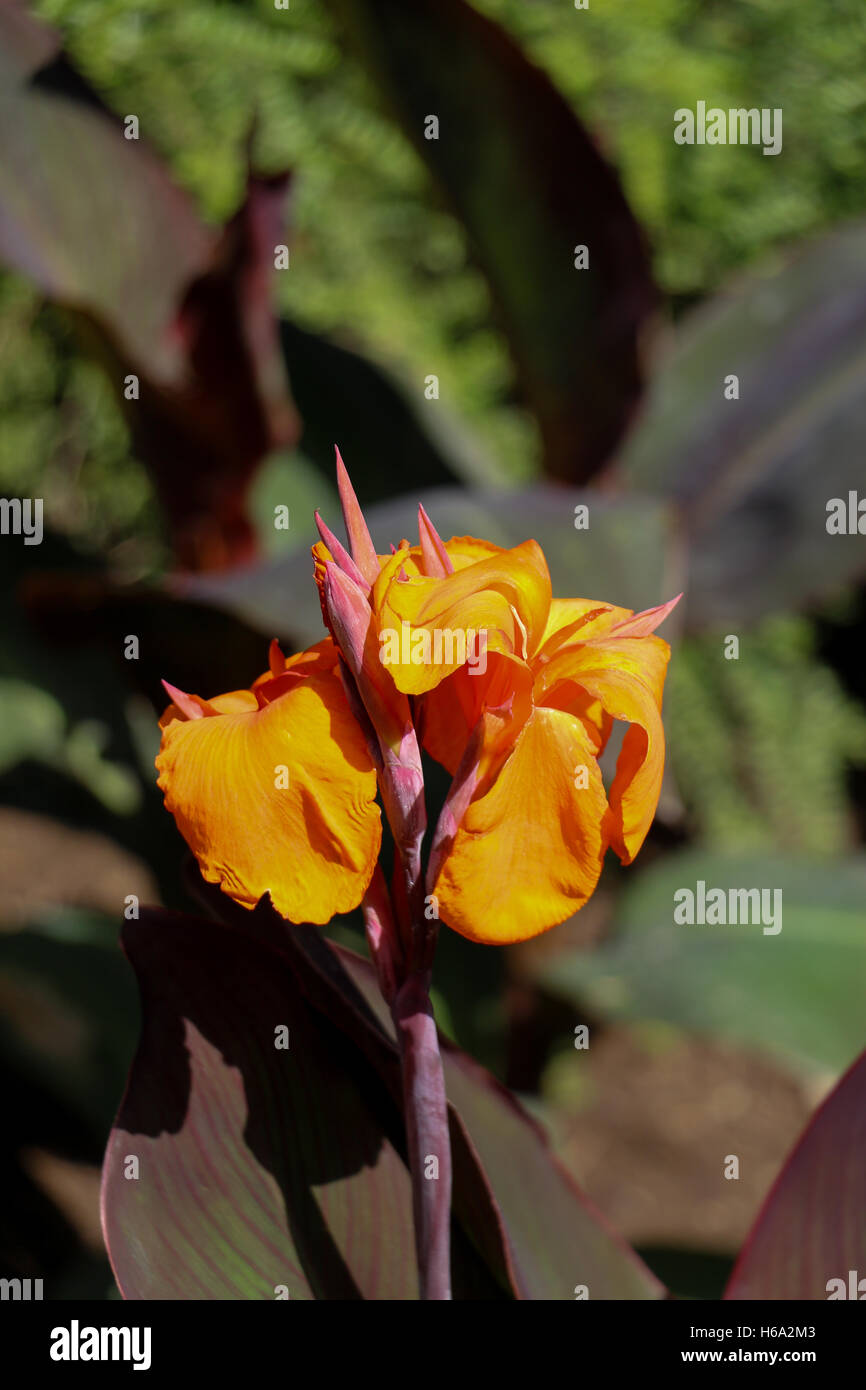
<point x="631" y="552"/>
<point x="90" y="216"/>
<point x="812" y="1228"/>
<point x="256" y="1166"/>
<point x="260" y="1167"/>
<point x="536" y="1231"/>
<point x="754" y="474"/>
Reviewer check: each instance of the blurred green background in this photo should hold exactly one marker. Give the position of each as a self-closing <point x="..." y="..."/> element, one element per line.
<point x="701" y="1046"/>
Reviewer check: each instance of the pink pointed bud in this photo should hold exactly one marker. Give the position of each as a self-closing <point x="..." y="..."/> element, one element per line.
<point x="437" y="561"/>
<point x="400" y="776"/>
<point x="341" y="555"/>
<point x="193" y="706"/>
<point x="360" y="542"/>
<point x="350" y="618"/>
<point x="642" y="624"/>
<point x="349" y="613"/>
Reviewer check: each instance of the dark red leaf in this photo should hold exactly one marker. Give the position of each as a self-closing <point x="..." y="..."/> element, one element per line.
<point x="235" y="1167"/>
<point x="812" y="1227"/>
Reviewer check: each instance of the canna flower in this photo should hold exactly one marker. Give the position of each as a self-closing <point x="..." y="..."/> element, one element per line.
<point x="274" y="788"/>
<point x="522" y="836"/>
<point x="458" y="648"/>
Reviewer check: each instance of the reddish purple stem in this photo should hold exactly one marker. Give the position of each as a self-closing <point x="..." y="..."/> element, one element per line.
<point x="427" y="1134"/>
<point x="424" y="1102"/>
<point x="403" y="960"/>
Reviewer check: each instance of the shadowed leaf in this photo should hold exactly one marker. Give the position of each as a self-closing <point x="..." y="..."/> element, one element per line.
<point x="537" y="1233"/>
<point x="754" y="475"/>
<point x="341" y="396"/>
<point x="258" y="1166"/>
<point x="553" y="1237"/>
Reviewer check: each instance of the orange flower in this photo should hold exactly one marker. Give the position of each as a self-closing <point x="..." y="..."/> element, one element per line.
<point x="521" y="723"/>
<point x="460" y="647"/>
<point x="274" y="789"/>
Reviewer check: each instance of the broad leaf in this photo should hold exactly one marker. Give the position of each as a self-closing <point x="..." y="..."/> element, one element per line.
<point x="158" y="296"/>
<point x="754" y="475"/>
<point x="343" y="396"/>
<point x="124" y="253"/>
<point x="257" y="1166"/>
<point x="555" y="1239"/>
<point x="812" y="1228"/>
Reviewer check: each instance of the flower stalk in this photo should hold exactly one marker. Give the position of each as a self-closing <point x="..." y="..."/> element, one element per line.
<point x="405" y="982"/>
<point x="426" y="1110"/>
<point x="425" y="1105"/>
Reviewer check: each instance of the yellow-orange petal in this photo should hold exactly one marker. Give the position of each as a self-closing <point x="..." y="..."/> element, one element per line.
<point x="574" y="700"/>
<point x="468" y="550"/>
<point x="427" y="625"/>
<point x="461" y="551"/>
<point x="626" y="676"/>
<point x="577" y="620"/>
<point x="528" y="851"/>
<point x="308" y="836"/>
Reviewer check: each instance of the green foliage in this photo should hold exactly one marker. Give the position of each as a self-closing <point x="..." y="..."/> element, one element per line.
<point x="629" y="64"/>
<point x="64" y="438"/>
<point x="760" y="746"/>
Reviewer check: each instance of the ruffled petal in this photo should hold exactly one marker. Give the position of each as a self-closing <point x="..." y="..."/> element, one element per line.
<point x="429" y="627"/>
<point x="625" y="675"/>
<point x="529" y="847"/>
<point x="274" y="792"/>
